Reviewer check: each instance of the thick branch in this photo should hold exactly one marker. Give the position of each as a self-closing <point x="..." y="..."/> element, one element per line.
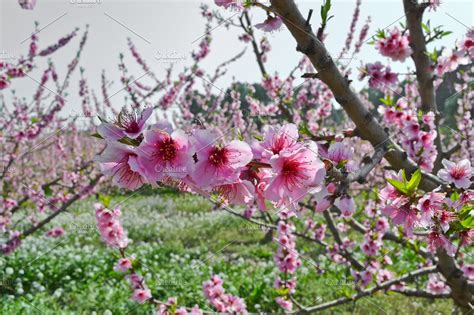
<point x="424" y="75"/>
<point x="361" y="175"/>
<point x="460" y="291"/>
<point x="328" y="72"/>
<point x="414" y="15"/>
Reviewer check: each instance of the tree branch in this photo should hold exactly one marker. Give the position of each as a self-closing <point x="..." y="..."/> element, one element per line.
<point x="369" y="129"/>
<point x="424" y="75"/>
<point x="385" y="285"/>
<point x="332" y="227"/>
<point x="420" y="293"/>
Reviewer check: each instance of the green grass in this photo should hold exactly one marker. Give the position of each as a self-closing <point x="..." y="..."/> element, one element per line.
<point x="180" y="242"/>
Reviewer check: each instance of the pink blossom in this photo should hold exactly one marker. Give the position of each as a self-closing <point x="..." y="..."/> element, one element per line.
<point x="163" y="154"/>
<point x="4" y="82"/>
<point x="370" y="246"/>
<point x="320" y="232"/>
<point x="27" y="4"/>
<point x="13" y="242"/>
<point x="450" y="60"/>
<point x="141" y="295"/>
<point x="240" y="192"/>
<point x="235" y="4"/>
<point x="429" y="204"/>
<point x="379" y="75"/>
<point x="297" y="171"/>
<point x="365" y="277"/>
<point x="128" y="124"/>
<point x="459" y="173"/>
<point x="110" y="228"/>
<point x="136" y="281"/>
<point x="123" y="264"/>
<point x="287" y="258"/>
<point x="346" y="204"/>
<point x="218" y="163"/>
<point x="395" y="45"/>
<point x="468" y="271"/>
<point x="221" y="301"/>
<point x="437" y="240"/>
<point x="384" y="275"/>
<point x="323" y="204"/>
<point x="445" y="217"/>
<point x="402" y="214"/>
<point x="277" y="139"/>
<point x="270" y="24"/>
<point x="284" y="303"/>
<point x="381" y="225"/>
<point x="434" y="4"/>
<point x="436" y="286"/>
<point x="339" y="152"/>
<point x="119" y="161"/>
<point x="467" y="46"/>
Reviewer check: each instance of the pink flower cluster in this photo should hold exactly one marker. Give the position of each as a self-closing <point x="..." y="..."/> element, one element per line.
<point x="459" y="173"/>
<point x="417" y="136"/>
<point x="432" y="210"/>
<point x="287" y="259"/>
<point x="141" y="293"/>
<point x="395" y="45"/>
<point x="110" y="228"/>
<point x="222" y="302"/>
<point x="279" y="168"/>
<point x="379" y="75"/>
<point x="450" y="60"/>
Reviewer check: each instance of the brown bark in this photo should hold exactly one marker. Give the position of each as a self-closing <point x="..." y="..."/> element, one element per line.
<point x="368" y="127"/>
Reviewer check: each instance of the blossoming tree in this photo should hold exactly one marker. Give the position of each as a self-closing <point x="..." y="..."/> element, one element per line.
<point x="46" y="162"/>
<point x="386" y="175"/>
<point x="290" y="170"/>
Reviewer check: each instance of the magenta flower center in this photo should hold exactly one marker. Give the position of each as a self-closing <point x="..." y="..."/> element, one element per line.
<point x="292" y="172"/>
<point x="457" y="172"/>
<point x="168" y="150"/>
<point x="133" y="127"/>
<point x="218" y="156"/>
<point x="129" y="122"/>
<point x="278" y="145"/>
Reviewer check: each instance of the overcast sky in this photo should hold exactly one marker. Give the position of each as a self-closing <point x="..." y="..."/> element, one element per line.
<point x="162" y="28"/>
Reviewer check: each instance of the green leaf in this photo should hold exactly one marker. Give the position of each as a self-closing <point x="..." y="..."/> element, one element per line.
<point x="388" y="100"/>
<point x="105" y="200"/>
<point x="425" y="27"/>
<point x="34" y="120"/>
<point x="414" y="181"/>
<point x="454" y="196"/>
<point x="324" y="11"/>
<point x="468" y="223"/>
<point x="400" y="186"/>
<point x="47" y="191"/>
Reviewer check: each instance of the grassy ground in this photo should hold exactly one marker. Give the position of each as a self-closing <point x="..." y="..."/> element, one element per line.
<point x="180" y="242"/>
